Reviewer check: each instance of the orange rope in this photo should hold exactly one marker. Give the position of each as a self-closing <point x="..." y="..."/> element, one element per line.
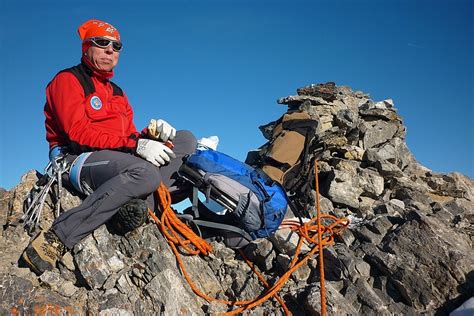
<point x="173" y="229"/>
<point x="320" y="244"/>
<point x="179" y="234"/>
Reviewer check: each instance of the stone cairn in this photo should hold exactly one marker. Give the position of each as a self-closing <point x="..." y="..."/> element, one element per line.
<point x="408" y="249"/>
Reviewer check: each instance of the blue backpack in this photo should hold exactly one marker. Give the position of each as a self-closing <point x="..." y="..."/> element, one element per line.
<point x="254" y="203"/>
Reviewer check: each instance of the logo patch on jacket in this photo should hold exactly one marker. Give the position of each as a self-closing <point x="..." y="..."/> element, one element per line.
<point x="96" y="103"/>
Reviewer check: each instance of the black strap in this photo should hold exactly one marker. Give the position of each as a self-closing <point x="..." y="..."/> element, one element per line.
<point x="224" y="227"/>
<point x="300" y="126"/>
<point x="116" y="89"/>
<point x="84" y="75"/>
<point x="297" y="212"/>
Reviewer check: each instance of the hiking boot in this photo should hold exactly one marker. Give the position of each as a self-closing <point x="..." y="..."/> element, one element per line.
<point x="43" y="252"/>
<point x="131" y="215"/>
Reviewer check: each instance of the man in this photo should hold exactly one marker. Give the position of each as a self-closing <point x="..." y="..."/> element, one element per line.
<point x="90" y="119"/>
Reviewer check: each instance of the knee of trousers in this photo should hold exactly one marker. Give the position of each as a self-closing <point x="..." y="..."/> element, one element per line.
<point x="145" y="177"/>
<point x="186" y="141"/>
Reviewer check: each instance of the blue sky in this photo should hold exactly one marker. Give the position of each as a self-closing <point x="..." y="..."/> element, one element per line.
<point x="218" y="67"/>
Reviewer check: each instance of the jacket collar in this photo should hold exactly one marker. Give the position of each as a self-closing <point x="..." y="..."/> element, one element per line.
<point x="92" y="71"/>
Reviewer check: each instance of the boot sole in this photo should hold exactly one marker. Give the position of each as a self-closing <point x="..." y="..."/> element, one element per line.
<point x="34" y="261"/>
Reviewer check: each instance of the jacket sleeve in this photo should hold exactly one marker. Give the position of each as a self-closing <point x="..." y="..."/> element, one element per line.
<point x="66" y="97"/>
<point x="130" y="125"/>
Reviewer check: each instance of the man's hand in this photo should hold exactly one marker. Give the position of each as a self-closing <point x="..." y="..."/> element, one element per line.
<point x="161" y="130"/>
<point x="155" y="152"/>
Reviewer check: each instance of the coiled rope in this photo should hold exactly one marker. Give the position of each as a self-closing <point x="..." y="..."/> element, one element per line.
<point x="313" y="232"/>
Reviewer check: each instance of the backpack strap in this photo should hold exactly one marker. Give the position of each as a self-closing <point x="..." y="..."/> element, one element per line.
<point x="116" y="89"/>
<point x="84" y="75"/>
<point x="220" y="226"/>
<point x="210" y="226"/>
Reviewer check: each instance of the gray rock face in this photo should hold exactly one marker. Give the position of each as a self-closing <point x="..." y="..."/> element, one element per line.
<point x="378" y="133"/>
<point x="97" y="260"/>
<point x="408" y="249"/>
<point x="344" y="189"/>
<point x="261" y="252"/>
<point x="427" y="267"/>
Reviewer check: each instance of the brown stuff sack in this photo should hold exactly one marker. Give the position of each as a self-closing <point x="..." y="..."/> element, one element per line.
<point x="285" y="159"/>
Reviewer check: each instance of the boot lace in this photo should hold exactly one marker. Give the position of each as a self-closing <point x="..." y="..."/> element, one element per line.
<point x="53" y="247"/>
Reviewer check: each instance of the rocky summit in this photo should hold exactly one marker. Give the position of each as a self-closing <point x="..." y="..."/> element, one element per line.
<point x="408" y="249"/>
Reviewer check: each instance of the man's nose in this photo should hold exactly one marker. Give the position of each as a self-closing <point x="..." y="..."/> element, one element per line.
<point x="109" y="49"/>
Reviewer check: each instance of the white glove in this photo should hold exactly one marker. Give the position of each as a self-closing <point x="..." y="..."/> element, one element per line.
<point x="155" y="152"/>
<point x="161" y="130"/>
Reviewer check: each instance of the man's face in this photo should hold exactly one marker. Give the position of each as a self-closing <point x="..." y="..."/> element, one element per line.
<point x="104" y="59"/>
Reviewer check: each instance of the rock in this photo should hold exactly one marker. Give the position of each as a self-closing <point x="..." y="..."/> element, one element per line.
<point x="56" y="283"/>
<point x="346" y="119"/>
<point x="325" y="204"/>
<point x="336" y="303"/>
<point x="453" y="185"/>
<point x="379" y="110"/>
<point x="351" y="99"/>
<point x="363" y="233"/>
<point x="4" y="208"/>
<point x="414" y="247"/>
<point x="68" y="261"/>
<point x="24" y="298"/>
<point x="347" y="237"/>
<point x="369" y="298"/>
<point x="366" y="206"/>
<point x="326" y="91"/>
<point x="343" y="189"/>
<point x="244" y="284"/>
<point x="388" y="169"/>
<point x="301" y="274"/>
<point x="393" y="207"/>
<point x="381" y="225"/>
<point x="165" y="288"/>
<point x="285" y="240"/>
<point x="395" y="152"/>
<point x="371" y="183"/>
<point x="69" y="200"/>
<point x="363" y="268"/>
<point x="115" y="311"/>
<point x="298" y="99"/>
<point x="222" y="252"/>
<point x="114" y="303"/>
<point x="397" y="203"/>
<point x="351" y="152"/>
<point x="216" y="308"/>
<point x="261" y="252"/>
<point x="404" y="188"/>
<point x="91" y="261"/>
<point x="378" y="133"/>
<point x="12" y="243"/>
<point x="20" y="192"/>
<point x="334" y="268"/>
<point x="336" y="141"/>
<point x="459" y="206"/>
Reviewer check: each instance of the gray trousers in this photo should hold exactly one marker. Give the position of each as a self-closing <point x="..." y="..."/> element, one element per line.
<point x="116" y="178"/>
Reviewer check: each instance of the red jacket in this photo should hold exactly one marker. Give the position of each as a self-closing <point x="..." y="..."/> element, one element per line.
<point x="85" y="111"/>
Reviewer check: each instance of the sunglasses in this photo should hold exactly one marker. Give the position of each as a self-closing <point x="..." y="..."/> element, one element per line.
<point x="103" y="42"/>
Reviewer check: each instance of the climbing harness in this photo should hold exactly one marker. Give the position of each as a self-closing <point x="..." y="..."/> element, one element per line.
<point x="34" y="202"/>
<point x="318" y="232"/>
